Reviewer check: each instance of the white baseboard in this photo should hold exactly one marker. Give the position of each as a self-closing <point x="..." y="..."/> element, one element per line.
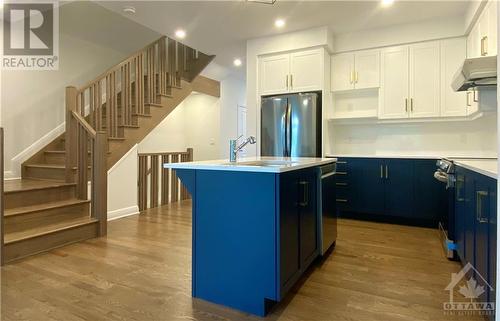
<point x="26" y="154"/>
<point x="10" y="175"/>
<point x="123" y="212"/>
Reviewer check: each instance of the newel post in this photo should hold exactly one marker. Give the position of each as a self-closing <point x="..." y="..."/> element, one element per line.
<point x="190" y="154"/>
<point x="71" y="133"/>
<point x="100" y="182"/>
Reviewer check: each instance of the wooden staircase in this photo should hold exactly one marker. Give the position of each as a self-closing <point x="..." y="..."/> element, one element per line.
<point x="51" y="205"/>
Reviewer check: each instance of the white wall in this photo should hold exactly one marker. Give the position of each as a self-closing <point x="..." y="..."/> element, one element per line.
<point x="233" y="94"/>
<point x="194" y="123"/>
<point x="92" y="39"/>
<point x="122" y="186"/>
<point x="285" y="42"/>
<point x="476" y="138"/>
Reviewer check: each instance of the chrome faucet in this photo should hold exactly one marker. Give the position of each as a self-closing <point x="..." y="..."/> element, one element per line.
<point x="233" y="149"/>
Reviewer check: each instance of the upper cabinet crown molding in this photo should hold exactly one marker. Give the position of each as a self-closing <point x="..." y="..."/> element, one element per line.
<point x="357" y="70"/>
<point x="291" y="72"/>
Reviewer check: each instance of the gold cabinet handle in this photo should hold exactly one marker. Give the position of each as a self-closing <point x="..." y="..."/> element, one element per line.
<point x="475" y="97"/>
<point x="287" y="82"/>
<point x="356" y="77"/>
<point x="291" y="81"/>
<point x="386" y="172"/>
<point x="484" y="46"/>
<point x="381" y="171"/>
<point x="468" y="99"/>
<point x="411" y="105"/>
<point x="406" y="104"/>
<point x="351" y="77"/>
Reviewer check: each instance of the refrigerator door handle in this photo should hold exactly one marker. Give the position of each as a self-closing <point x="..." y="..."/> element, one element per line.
<point x="289" y="131"/>
<point x="285" y="143"/>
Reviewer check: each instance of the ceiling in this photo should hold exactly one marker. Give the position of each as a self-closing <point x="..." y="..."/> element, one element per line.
<point x="222" y="27"/>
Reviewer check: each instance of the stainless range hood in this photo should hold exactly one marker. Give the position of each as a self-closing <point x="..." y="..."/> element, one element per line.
<point x="476" y="72"/>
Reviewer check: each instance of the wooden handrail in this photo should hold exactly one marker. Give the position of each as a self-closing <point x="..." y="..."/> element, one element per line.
<point x="164" y="153"/>
<point x="91" y="131"/>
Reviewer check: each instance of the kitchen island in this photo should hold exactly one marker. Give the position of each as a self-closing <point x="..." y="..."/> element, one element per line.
<point x="255" y="227"/>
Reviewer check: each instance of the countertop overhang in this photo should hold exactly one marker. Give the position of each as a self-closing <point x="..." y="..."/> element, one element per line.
<point x="244" y="164"/>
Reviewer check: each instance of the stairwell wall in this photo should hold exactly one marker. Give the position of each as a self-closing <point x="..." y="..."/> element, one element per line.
<point x="91" y="40"/>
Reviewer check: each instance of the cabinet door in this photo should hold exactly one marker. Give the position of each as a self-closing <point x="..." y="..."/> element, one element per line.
<point x="469" y="218"/>
<point x="394" y="93"/>
<point x="460" y="214"/>
<point x="367" y="69"/>
<point x="481" y="213"/>
<point x="491" y="40"/>
<point x="273" y="75"/>
<point x="473" y="42"/>
<point x="342" y="72"/>
<point x="430" y="195"/>
<point x="483" y="26"/>
<point x="289" y="231"/>
<point x="424" y="80"/>
<point x="366" y="185"/>
<point x="306" y="70"/>
<point x="308" y="217"/>
<point x="492" y="242"/>
<point x="453" y="54"/>
<point x="399" y="188"/>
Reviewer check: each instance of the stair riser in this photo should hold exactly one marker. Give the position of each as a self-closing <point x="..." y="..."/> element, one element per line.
<point x="26" y="221"/>
<point x="18" y="250"/>
<point x="44" y="173"/>
<point x="36" y="197"/>
<point x="56" y="158"/>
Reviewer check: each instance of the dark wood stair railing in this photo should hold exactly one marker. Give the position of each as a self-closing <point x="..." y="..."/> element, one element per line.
<point x="80" y="139"/>
<point x="157" y="185"/>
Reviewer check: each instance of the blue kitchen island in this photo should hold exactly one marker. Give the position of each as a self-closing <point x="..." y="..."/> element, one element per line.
<point x="255" y="227"/>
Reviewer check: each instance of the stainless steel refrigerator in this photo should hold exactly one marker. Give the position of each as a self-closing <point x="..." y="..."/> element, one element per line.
<point x="291" y="125"/>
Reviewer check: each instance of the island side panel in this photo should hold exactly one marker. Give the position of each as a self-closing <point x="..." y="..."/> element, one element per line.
<point x="234" y="235"/>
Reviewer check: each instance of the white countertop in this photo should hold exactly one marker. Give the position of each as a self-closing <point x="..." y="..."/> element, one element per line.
<point x="271" y="165"/>
<point x="384" y="156"/>
<point x="488" y="167"/>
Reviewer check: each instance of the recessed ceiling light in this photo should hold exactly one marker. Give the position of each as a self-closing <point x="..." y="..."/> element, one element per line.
<point x="129" y="9"/>
<point x="180" y="33"/>
<point x="237" y="62"/>
<point x="279" y="23"/>
<point x="387" y="3"/>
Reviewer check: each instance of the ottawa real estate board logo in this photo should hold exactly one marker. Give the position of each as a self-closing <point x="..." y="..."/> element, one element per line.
<point x="30" y="35"/>
<point x="469" y="294"/>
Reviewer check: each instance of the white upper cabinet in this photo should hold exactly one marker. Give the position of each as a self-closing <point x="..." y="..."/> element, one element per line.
<point x="306" y="70"/>
<point x="482" y="39"/>
<point x="291" y="72"/>
<point x="274" y="74"/>
<point x="453" y="53"/>
<point x="359" y="70"/>
<point x="367" y="69"/>
<point x="342" y="69"/>
<point x="394" y="92"/>
<point x="424" y="80"/>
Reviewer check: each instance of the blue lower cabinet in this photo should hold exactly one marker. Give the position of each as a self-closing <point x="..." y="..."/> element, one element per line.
<point x="392" y="190"/>
<point x="298" y="225"/>
<point x="460" y="216"/>
<point x="366" y="185"/>
<point x="475" y="227"/>
<point x="399" y="188"/>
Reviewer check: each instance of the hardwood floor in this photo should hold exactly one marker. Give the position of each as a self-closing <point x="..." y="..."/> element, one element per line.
<point x="142" y="271"/>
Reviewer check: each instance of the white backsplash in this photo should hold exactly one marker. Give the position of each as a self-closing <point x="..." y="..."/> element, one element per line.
<point x="476" y="138"/>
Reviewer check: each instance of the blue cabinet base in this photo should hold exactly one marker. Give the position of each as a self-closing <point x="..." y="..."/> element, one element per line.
<point x="235" y="240"/>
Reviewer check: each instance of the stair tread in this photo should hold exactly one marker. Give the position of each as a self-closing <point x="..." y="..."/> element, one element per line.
<point x="52" y="166"/>
<point x="47" y="229"/>
<point x="29" y="184"/>
<point x="44" y="206"/>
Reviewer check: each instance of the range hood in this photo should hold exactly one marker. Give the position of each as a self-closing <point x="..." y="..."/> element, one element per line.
<point x="476" y="72"/>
